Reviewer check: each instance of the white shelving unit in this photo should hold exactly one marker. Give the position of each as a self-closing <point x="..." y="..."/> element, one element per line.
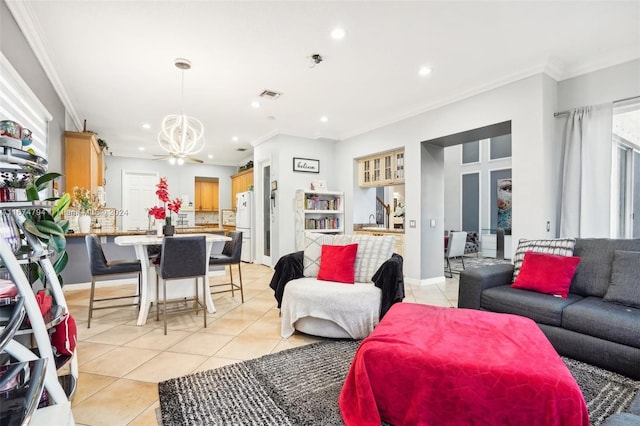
<point x="318" y="211"/>
<point x="26" y="348"/>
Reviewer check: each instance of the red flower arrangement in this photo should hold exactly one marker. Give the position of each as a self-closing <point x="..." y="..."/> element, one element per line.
<point x="167" y="204"/>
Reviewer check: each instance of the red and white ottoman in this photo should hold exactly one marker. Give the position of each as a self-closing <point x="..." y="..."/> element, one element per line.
<point x="426" y="365"/>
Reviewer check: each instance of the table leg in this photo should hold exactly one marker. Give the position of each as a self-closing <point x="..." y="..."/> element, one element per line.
<point x="145" y="294"/>
<point x="207" y="294"/>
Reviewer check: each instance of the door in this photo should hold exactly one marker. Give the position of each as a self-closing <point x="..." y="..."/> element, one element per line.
<point x="138" y="195"/>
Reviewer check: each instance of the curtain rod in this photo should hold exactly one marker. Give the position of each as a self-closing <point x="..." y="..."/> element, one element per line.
<point x="558" y="114"/>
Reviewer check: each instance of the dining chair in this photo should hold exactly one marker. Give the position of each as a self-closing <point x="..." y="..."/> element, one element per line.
<point x="455" y="248"/>
<point x="230" y="256"/>
<point x="101" y="267"/>
<point x="182" y="258"/>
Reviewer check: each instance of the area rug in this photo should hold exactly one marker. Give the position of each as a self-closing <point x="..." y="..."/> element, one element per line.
<point x="300" y="386"/>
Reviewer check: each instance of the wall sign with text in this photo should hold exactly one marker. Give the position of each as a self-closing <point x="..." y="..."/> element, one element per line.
<point x="306" y="165"/>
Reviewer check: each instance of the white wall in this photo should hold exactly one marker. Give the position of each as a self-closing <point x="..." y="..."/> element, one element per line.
<point x="521" y="102"/>
<point x="280" y="150"/>
<point x="181" y="179"/>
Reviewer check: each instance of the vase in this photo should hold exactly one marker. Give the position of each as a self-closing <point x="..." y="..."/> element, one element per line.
<point x="159" y="229"/>
<point x="84" y="223"/>
<point x="168" y="230"/>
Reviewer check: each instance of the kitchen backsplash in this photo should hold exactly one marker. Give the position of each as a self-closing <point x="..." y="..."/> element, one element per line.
<point x="207" y="217"/>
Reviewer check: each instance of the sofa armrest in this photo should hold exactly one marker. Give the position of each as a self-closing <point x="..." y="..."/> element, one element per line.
<point x="289" y="267"/>
<point x="474" y="281"/>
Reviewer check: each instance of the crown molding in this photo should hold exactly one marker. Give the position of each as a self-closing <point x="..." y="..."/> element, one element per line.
<point x="28" y="23"/>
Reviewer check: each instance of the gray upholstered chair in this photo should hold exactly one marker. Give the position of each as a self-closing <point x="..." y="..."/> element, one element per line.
<point x="100" y="267"/>
<point x="230" y="256"/>
<point x="455" y="248"/>
<point x="182" y="257"/>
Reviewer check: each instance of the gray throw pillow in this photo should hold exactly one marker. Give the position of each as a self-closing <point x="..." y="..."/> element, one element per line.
<point x="624" y="287"/>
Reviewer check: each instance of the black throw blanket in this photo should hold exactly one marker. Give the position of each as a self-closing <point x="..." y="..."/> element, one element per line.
<point x="388" y="278"/>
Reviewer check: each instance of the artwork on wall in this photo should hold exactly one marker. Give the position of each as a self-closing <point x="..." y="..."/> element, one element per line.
<point x="306" y="165"/>
<point x="504" y="203"/>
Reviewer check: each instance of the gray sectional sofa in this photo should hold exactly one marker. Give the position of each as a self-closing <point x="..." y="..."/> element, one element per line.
<point x="584" y="326"/>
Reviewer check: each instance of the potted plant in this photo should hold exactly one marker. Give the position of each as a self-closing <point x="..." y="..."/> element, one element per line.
<point x="160" y="213"/>
<point x="82" y="202"/>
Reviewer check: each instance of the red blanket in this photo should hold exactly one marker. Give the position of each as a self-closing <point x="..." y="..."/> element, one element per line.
<point x="426" y="365"/>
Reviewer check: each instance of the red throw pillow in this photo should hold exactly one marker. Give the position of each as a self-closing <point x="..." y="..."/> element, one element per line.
<point x="337" y="263"/>
<point x="546" y="273"/>
<point x="64" y="336"/>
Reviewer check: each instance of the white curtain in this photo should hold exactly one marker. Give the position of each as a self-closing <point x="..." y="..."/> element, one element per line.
<point x="586" y="173"/>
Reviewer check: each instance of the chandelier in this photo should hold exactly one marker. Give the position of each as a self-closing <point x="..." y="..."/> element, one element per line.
<point x="181" y="135"/>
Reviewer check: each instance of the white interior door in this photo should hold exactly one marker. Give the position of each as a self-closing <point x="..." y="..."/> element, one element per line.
<point x="138" y="195"/>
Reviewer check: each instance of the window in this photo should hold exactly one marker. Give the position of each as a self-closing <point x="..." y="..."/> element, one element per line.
<point x="500" y="147"/>
<point x="471" y="152"/>
<point x="20" y="104"/>
<point x="626" y="169"/>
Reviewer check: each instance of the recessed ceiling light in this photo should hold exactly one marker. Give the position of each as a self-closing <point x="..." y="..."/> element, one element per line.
<point x="324" y="119"/>
<point x="210" y="156"/>
<point x="146" y="126"/>
<point x="424" y="71"/>
<point x="255" y="104"/>
<point x="235" y="139"/>
<point x="141" y="148"/>
<point x="338" y="33"/>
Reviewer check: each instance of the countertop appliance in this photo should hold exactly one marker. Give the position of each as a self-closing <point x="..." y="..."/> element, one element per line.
<point x="245" y="224"/>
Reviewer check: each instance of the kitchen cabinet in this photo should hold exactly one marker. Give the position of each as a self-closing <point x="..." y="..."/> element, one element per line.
<point x="240" y="182"/>
<point x="84" y="162"/>
<point x="382" y="170"/>
<point x="207" y="198"/>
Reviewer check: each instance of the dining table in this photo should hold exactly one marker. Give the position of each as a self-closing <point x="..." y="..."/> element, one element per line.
<point x="141" y="244"/>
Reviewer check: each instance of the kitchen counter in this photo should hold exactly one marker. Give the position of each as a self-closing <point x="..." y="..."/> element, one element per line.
<point x="113" y="232"/>
<point x="380" y="230"/>
<point x="398" y="234"/>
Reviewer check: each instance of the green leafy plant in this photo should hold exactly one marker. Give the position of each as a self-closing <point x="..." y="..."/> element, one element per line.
<point x="48" y="227"/>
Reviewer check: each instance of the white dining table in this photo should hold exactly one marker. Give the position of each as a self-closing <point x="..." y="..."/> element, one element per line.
<point x="215" y="244"/>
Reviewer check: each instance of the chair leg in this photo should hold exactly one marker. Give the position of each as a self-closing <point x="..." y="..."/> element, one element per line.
<point x="448" y="267"/>
<point x="92" y="293"/>
<point x="157" y="298"/>
<point x="231" y="280"/>
<point x="139" y="289"/>
<point x="204" y="302"/>
<point x="462" y="258"/>
<point x="241" y="290"/>
<point x="164" y="298"/>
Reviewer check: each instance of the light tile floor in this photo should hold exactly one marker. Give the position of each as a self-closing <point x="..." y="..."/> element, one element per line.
<point x="121" y="363"/>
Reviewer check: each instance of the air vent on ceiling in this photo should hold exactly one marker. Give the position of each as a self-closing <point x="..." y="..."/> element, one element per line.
<point x="241" y="149"/>
<point x="270" y="94"/>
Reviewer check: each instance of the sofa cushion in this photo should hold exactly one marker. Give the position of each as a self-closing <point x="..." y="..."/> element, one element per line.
<point x="546" y="273"/>
<point x="373" y="250"/>
<point x="610" y="321"/>
<point x="558" y="246"/>
<point x="594" y="271"/>
<point x="542" y="308"/>
<point x="313" y="243"/>
<point x="625" y="279"/>
<point x="337" y="263"/>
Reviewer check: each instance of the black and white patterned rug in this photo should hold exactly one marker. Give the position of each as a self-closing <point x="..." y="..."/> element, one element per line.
<point x="300" y="386"/>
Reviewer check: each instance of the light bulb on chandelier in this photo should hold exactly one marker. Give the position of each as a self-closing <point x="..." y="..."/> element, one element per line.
<point x="181" y="135"/>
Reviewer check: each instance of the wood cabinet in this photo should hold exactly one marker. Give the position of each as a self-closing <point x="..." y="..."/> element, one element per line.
<point x="382" y="169"/>
<point x="240" y="182"/>
<point x="207" y="198"/>
<point x="84" y="164"/>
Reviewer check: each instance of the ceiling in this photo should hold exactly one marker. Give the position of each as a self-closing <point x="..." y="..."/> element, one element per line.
<point x="113" y="61"/>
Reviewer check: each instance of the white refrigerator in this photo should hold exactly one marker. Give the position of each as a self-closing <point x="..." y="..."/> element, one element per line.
<point x="245" y="224"/>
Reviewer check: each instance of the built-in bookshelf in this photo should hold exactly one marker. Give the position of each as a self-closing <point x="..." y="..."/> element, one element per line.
<point x="318" y="211"/>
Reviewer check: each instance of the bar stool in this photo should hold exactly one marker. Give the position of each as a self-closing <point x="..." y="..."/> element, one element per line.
<point x="230" y="256"/>
<point x="182" y="257"/>
<point x="100" y="267"/>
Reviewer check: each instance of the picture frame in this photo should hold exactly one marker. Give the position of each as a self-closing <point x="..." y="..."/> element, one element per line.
<point x="306" y="165"/>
